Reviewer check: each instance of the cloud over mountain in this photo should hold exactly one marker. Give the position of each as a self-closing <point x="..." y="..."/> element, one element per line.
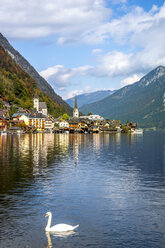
<point x="124" y="39"/>
<point x="70" y="20"/>
<point x="139" y="36"/>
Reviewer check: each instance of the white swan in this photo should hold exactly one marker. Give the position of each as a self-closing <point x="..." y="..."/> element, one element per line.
<point x="58" y="227"/>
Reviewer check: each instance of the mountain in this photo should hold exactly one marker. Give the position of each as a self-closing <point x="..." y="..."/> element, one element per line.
<point x="142" y="102"/>
<point x="89" y="97"/>
<point x="25" y="65"/>
<point x="18" y="87"/>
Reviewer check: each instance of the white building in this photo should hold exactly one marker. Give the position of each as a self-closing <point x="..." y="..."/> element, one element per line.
<point x="42" y="108"/>
<point x="63" y="124"/>
<point x="36" y="103"/>
<point x="93" y="117"/>
<point x="49" y="124"/>
<point x="39" y="106"/>
<point x="24" y="118"/>
<point x="21" y="117"/>
<point x="75" y="110"/>
<point x="37" y="121"/>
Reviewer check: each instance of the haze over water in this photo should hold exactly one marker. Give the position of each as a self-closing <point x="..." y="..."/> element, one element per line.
<point x="112" y="185"/>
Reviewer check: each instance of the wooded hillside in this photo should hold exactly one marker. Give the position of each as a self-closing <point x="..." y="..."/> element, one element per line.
<point x="17" y="87"/>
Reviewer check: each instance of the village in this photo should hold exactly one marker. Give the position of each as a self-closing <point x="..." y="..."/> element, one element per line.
<point x="38" y="120"/>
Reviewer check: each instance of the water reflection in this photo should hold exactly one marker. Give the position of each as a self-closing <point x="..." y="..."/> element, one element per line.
<point x="61" y="235"/>
<point x="119" y="182"/>
<point x="24" y="157"/>
<point x="164" y="156"/>
<point x="63" y="141"/>
<point x="76" y="142"/>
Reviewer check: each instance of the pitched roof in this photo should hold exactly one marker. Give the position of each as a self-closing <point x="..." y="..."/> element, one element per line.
<point x="42" y="105"/>
<point x="16" y="114"/>
<point x="37" y="115"/>
<point x="14" y="128"/>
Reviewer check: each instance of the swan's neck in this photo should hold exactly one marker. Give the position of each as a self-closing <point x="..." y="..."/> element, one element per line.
<point x="49" y="223"/>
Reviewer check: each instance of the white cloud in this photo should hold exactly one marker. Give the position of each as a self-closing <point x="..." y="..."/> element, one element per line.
<point x="86" y="90"/>
<point x="130" y="80"/>
<point x="118" y="1"/>
<point x="70" y="20"/>
<point x="113" y="64"/>
<point x="73" y="93"/>
<point x="143" y="32"/>
<point x="133" y="22"/>
<point x="59" y="76"/>
<point x="96" y="51"/>
<point x="86" y="21"/>
<point x="139" y="34"/>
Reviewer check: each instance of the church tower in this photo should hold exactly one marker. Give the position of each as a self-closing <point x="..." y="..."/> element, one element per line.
<point x="36" y="102"/>
<point x="75" y="110"/>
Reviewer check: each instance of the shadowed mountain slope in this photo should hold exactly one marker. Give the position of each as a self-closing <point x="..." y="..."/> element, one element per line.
<point x="89" y="97"/>
<point x="25" y="65"/>
<point x="18" y="87"/>
<point x="142" y="102"/>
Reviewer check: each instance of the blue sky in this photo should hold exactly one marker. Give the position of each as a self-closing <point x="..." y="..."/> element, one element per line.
<point x="80" y="46"/>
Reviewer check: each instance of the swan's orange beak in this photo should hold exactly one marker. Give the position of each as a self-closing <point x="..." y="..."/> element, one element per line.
<point x="46" y="215"/>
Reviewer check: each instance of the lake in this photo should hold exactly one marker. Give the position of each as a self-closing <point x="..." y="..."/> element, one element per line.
<point x="112" y="185"/>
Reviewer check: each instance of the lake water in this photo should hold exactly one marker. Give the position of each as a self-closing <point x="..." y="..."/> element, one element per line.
<point x="112" y="185"/>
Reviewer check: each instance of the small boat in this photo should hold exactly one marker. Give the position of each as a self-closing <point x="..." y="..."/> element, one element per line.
<point x="138" y="131"/>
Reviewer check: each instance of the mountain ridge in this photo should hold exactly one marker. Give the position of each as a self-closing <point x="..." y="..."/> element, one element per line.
<point x="17" y="87"/>
<point x="26" y="66"/>
<point x="142" y="101"/>
<point x="90" y="97"/>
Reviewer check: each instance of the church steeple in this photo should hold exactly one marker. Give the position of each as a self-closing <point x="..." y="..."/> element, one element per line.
<point x="75" y="104"/>
<point x="36" y="102"/>
<point x="75" y="110"/>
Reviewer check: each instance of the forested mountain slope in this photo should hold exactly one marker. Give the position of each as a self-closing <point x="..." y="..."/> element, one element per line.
<point x="18" y="87"/>
<point x="89" y="97"/>
<point x="25" y="65"/>
<point x="142" y="102"/>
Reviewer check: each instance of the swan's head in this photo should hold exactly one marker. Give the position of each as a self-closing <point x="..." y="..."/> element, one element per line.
<point x="48" y="214"/>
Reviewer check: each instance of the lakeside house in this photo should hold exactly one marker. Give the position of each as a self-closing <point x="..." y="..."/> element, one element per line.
<point x="33" y="120"/>
<point x="37" y="119"/>
<point x="21" y="117"/>
<point x="74" y="125"/>
<point x="63" y="124"/>
<point x="49" y="124"/>
<point x="92" y="117"/>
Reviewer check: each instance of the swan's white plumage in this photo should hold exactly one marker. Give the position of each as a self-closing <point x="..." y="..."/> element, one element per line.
<point x="58" y="227"/>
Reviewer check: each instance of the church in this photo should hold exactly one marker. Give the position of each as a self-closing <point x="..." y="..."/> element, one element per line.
<point x="39" y="106"/>
<point x="75" y="110"/>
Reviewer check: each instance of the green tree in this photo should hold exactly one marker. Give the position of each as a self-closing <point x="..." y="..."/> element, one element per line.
<point x="65" y="117"/>
<point x="12" y="111"/>
<point x="1" y="104"/>
<point x="1" y="86"/>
